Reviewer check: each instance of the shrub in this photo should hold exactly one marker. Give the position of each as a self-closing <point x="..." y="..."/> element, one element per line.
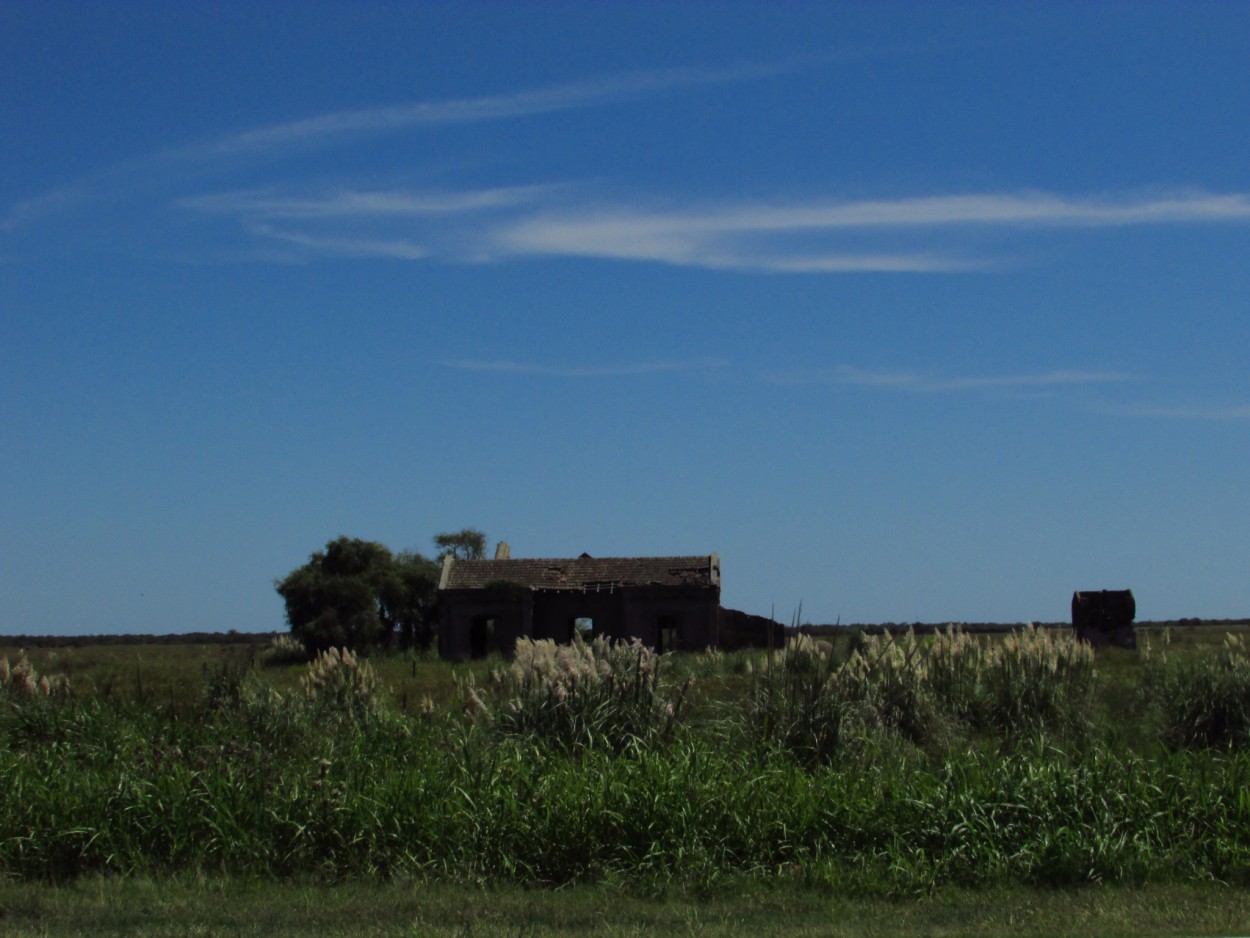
<point x="285" y="649"/>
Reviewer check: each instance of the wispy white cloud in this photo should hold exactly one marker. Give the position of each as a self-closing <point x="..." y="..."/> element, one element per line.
<point x="595" y="92"/>
<point x="761" y="236"/>
<point x="57" y="201"/>
<point x="1205" y="413"/>
<point x="621" y="229"/>
<point x="562" y="220"/>
<point x="919" y="382"/>
<point x="1052" y="379"/>
<point x="717" y="240"/>
<point x="901" y="263"/>
<point x="346" y="203"/>
<point x="397" y="248"/>
<point x="592" y="371"/>
<point x="1023" y="383"/>
<point x="173" y="166"/>
<point x="1025" y="208"/>
<point x="546" y="220"/>
<point x="486" y="223"/>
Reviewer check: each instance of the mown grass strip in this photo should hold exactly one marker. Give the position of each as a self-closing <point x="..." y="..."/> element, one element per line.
<point x="159" y="908"/>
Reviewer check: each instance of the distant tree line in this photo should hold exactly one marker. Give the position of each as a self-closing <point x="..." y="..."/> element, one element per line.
<point x="231" y="637"/>
<point x="358" y="594"/>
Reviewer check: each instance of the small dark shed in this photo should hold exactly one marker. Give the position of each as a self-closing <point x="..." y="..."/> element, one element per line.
<point x="669" y="603"/>
<point x="1105" y="617"/>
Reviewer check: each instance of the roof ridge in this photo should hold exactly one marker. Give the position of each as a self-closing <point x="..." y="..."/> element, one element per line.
<point x="573" y="573"/>
<point x="587" y="559"/>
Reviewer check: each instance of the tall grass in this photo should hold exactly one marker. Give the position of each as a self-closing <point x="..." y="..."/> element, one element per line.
<point x="22" y="680"/>
<point x="891" y="767"/>
<point x="600" y="694"/>
<point x="815" y="702"/>
<point x="1199" y="701"/>
<point x="1033" y="680"/>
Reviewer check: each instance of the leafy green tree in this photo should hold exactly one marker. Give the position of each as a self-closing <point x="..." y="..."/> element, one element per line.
<point x="355" y="593"/>
<point x="411" y="605"/>
<point x="466" y="544"/>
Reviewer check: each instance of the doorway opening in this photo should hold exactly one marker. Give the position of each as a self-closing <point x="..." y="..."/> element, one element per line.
<point x="666" y="634"/>
<point x="481" y="636"/>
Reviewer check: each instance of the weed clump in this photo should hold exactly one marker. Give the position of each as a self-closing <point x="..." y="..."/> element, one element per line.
<point x="339" y="682"/>
<point x="285" y="649"/>
<point x="597" y="695"/>
<point x="1201" y="703"/>
<point x="1032" y="680"/>
<point x="817" y="704"/>
<point x="21" y="680"/>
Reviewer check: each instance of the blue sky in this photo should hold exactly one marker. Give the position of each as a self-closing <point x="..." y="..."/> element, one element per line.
<point x="911" y="312"/>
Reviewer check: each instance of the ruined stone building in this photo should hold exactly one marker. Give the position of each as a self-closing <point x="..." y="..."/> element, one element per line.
<point x="669" y="603"/>
<point x="1105" y="617"/>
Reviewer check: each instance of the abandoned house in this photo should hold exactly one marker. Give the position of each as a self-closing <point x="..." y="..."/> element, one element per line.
<point x="669" y="603"/>
<point x="1105" y="617"/>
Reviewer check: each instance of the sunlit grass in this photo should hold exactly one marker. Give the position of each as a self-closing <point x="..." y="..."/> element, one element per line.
<point x="947" y="761"/>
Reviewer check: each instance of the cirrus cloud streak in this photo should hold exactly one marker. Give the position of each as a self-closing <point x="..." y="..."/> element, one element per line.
<point x="811" y="236"/>
<point x="919" y="382"/>
<point x="579" y="371"/>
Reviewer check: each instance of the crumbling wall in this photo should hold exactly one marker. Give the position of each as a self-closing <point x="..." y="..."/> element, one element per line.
<point x="743" y="630"/>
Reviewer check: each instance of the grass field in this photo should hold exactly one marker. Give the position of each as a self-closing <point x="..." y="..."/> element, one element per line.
<point x="164" y="673"/>
<point x="884" y="785"/>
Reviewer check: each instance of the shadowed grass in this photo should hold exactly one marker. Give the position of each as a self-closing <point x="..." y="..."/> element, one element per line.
<point x="213" y="907"/>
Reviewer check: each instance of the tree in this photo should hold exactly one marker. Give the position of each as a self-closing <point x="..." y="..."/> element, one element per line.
<point x="355" y="593"/>
<point x="467" y="544"/>
<point x="412" y="605"/>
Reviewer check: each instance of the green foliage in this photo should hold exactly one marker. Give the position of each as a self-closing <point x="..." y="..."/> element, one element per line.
<point x="815" y="703"/>
<point x="575" y="771"/>
<point x="124" y="791"/>
<point x="409" y="599"/>
<point x="285" y="650"/>
<point x="465" y="544"/>
<point x="1030" y="681"/>
<point x="1200" y="701"/>
<point x="508" y="590"/>
<point x="355" y="593"/>
<point x="224" y="687"/>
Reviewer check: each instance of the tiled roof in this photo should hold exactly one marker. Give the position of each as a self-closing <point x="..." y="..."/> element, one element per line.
<point x="584" y="573"/>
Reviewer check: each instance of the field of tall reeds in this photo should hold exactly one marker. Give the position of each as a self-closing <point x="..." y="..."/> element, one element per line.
<point x="872" y="764"/>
